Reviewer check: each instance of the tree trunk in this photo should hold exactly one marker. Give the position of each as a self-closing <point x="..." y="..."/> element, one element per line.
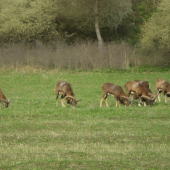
<point x="146" y="6"/>
<point x="99" y="38"/>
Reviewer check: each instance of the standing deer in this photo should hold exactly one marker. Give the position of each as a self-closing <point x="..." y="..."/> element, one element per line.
<point x="66" y="92"/>
<point x="3" y="99"/>
<point x="164" y="87"/>
<point x="117" y="92"/>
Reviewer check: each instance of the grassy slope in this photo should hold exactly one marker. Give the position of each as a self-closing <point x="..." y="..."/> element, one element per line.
<point x="35" y="134"/>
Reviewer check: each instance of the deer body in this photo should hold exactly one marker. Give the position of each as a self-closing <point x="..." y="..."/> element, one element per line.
<point x="164" y="87"/>
<point x="66" y="92"/>
<point x="117" y="92"/>
<point x="146" y="85"/>
<point x="140" y="92"/>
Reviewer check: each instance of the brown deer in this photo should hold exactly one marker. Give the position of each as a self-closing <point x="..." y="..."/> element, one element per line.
<point x="164" y="87"/>
<point x="140" y="92"/>
<point x="146" y="85"/>
<point x="117" y="92"/>
<point x="66" y="92"/>
<point x="3" y="99"/>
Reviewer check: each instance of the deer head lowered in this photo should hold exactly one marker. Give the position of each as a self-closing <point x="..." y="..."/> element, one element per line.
<point x="3" y="99"/>
<point x="66" y="92"/>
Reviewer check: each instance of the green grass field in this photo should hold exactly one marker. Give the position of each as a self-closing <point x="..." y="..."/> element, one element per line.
<point x="35" y="134"/>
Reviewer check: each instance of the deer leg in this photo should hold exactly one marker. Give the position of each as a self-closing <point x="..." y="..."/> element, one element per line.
<point x="106" y="102"/>
<point x="117" y="103"/>
<point x="62" y="101"/>
<point x="139" y="100"/>
<point x="101" y="102"/>
<point x="159" y="97"/>
<point x="144" y="103"/>
<point x="57" y="99"/>
<point x="129" y="93"/>
<point x="166" y="98"/>
<point x="103" y="96"/>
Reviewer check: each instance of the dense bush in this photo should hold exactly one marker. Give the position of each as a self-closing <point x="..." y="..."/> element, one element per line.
<point x="155" y="33"/>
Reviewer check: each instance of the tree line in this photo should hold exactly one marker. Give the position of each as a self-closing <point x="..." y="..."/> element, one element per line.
<point x="143" y="22"/>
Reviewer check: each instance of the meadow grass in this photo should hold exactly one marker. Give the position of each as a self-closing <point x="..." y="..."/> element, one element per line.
<point x="35" y="134"/>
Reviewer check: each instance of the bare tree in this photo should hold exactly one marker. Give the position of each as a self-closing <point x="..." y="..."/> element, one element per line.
<point x="97" y="28"/>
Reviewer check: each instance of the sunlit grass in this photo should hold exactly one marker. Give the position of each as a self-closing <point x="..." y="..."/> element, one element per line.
<point x="35" y="134"/>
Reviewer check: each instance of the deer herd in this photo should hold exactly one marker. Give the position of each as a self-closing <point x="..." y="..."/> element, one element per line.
<point x="135" y="90"/>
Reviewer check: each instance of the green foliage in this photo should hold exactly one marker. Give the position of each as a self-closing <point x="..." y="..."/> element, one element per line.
<point x="130" y="28"/>
<point x="112" y="12"/>
<point x="35" y="134"/>
<point x="27" y="20"/>
<point x="50" y="20"/>
<point x="155" y="33"/>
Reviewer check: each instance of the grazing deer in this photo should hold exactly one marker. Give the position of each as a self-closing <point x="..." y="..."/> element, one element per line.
<point x="3" y="99"/>
<point x="146" y="85"/>
<point x="140" y="92"/>
<point x="164" y="87"/>
<point x="66" y="92"/>
<point x="117" y="92"/>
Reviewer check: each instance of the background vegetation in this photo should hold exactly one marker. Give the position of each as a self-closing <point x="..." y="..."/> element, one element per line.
<point x="59" y="19"/>
<point x="35" y="134"/>
<point x="155" y="34"/>
<point x="140" y="25"/>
